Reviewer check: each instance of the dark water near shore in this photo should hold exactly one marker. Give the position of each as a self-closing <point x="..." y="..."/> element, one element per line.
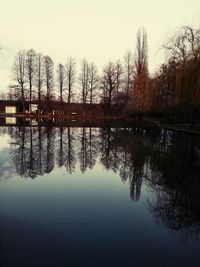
<point x="99" y="197"/>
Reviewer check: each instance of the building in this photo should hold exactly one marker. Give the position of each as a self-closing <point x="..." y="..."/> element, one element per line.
<point x="57" y="108"/>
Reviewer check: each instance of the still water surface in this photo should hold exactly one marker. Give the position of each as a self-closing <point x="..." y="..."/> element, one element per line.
<point x="99" y="197"/>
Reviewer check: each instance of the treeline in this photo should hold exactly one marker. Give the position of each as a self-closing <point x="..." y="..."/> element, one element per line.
<point x="173" y="91"/>
<point x="35" y="77"/>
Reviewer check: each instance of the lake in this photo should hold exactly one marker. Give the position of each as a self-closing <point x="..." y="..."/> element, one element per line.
<point x="109" y="196"/>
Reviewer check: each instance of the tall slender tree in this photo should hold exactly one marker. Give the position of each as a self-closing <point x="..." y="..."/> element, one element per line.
<point x="128" y="75"/>
<point x="70" y="79"/>
<point x="49" y="76"/>
<point x="108" y="84"/>
<point x="141" y="71"/>
<point x="18" y="75"/>
<point x="84" y="81"/>
<point x="118" y="74"/>
<point x="30" y="70"/>
<point x="39" y="77"/>
<point x="92" y="81"/>
<point x="61" y="80"/>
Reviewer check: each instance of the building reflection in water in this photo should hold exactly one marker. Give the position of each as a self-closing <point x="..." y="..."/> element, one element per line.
<point x="167" y="162"/>
<point x="10" y="120"/>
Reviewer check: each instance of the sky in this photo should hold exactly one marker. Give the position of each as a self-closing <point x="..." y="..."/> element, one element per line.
<point x="99" y="30"/>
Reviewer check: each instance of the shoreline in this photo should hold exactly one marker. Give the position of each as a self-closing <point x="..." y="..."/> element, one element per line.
<point x="95" y="121"/>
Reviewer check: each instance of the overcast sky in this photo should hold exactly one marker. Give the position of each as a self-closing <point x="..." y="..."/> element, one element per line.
<point x="99" y="30"/>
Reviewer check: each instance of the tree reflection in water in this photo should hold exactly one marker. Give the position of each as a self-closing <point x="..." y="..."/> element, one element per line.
<point x="65" y="149"/>
<point x="168" y="162"/>
<point x="176" y="181"/>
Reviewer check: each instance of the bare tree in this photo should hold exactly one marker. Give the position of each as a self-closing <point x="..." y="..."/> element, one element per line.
<point x="118" y="73"/>
<point x="3" y="96"/>
<point x="183" y="44"/>
<point x="108" y="83"/>
<point x="192" y="36"/>
<point x="30" y="63"/>
<point x="112" y="81"/>
<point x="70" y="79"/>
<point x="61" y="77"/>
<point x="14" y="92"/>
<point x="93" y="81"/>
<point x="39" y="77"/>
<point x="176" y="47"/>
<point x="84" y="80"/>
<point x="18" y="75"/>
<point x="49" y="76"/>
<point x="128" y="74"/>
